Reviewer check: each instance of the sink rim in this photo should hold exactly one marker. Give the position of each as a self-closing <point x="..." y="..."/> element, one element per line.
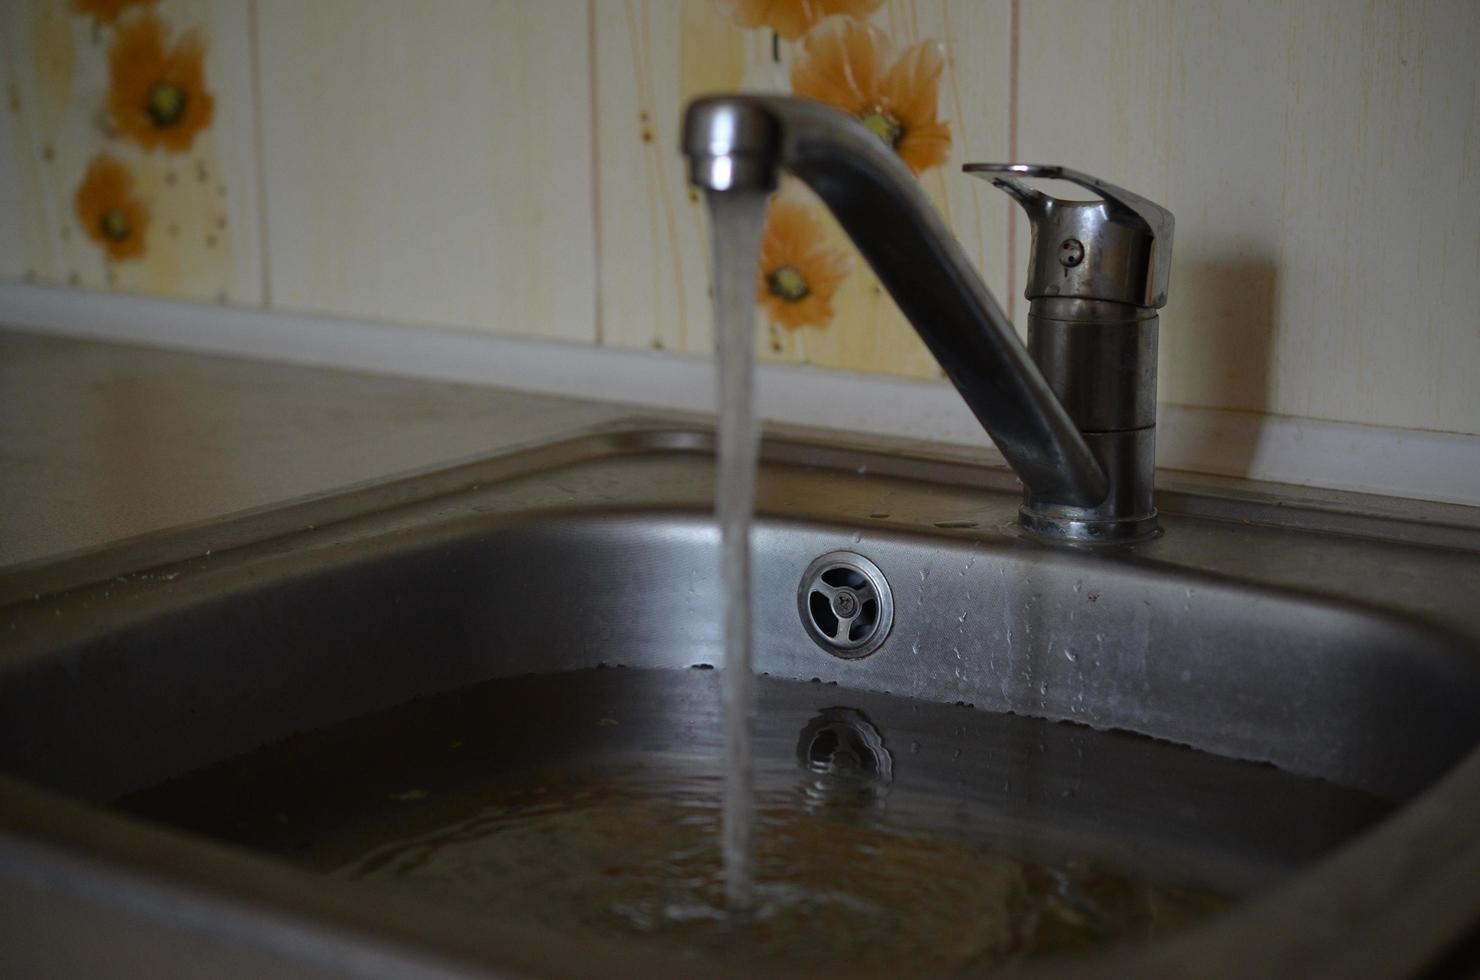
<point x="1179" y="494"/>
<point x="1291" y="911"/>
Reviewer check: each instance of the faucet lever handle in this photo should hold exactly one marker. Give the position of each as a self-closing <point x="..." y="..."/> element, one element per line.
<point x="1124" y="241"/>
<point x="1156" y="219"/>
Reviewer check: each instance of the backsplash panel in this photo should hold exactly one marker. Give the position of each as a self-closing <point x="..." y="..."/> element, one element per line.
<point x="184" y="205"/>
<point x="511" y="167"/>
<point x="1323" y="161"/>
<point x="430" y="162"/>
<point x="653" y="56"/>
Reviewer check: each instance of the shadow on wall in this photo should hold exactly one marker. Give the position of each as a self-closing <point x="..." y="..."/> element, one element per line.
<point x="1217" y="341"/>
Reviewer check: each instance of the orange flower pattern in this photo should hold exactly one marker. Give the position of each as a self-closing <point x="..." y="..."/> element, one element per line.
<point x="157" y="95"/>
<point x="106" y="11"/>
<point x="792" y="18"/>
<point x="798" y="273"/>
<point x="845" y="63"/>
<point x="109" y="211"/>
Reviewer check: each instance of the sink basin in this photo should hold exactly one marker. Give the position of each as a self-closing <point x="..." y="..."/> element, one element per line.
<point x="1332" y="640"/>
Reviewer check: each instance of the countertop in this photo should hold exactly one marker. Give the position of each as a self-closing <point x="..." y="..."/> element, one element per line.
<point x="104" y="442"/>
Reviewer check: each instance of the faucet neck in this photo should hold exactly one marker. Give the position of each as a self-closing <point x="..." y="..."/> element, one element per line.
<point x="1082" y="481"/>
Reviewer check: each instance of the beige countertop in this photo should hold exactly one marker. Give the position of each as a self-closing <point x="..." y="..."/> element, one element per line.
<point x="104" y="442"/>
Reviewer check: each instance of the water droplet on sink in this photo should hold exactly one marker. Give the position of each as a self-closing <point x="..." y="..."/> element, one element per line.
<point x="1071" y="656"/>
<point x="924" y="574"/>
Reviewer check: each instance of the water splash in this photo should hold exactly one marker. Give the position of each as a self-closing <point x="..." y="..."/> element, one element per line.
<point x="735" y="224"/>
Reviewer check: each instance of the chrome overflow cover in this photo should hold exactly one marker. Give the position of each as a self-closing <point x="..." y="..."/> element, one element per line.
<point x="845" y="604"/>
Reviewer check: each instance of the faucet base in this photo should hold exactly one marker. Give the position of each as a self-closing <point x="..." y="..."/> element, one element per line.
<point x="1128" y="512"/>
<point x="1070" y="528"/>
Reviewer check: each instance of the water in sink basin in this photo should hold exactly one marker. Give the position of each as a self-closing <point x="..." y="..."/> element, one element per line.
<point x="895" y="835"/>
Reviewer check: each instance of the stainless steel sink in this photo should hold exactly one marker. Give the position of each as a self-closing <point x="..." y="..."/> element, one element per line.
<point x="1332" y="636"/>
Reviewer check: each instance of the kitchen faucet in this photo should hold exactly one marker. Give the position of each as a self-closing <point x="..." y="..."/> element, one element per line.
<point x="1073" y="413"/>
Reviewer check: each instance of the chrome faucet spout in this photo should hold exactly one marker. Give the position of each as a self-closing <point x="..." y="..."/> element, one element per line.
<point x="745" y="141"/>
<point x="733" y="143"/>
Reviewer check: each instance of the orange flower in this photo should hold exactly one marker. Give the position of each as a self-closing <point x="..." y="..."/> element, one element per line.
<point x="845" y="63"/>
<point x="105" y="11"/>
<point x="110" y="213"/>
<point x="798" y="275"/>
<point x="157" y="95"/>
<point x="791" y="18"/>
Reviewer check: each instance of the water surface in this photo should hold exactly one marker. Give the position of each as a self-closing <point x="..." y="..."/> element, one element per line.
<point x="894" y="837"/>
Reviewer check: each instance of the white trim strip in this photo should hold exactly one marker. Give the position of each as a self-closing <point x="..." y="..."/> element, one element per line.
<point x="1442" y="466"/>
<point x="1281" y="449"/>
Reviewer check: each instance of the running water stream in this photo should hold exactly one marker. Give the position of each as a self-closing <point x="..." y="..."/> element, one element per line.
<point x="735" y="219"/>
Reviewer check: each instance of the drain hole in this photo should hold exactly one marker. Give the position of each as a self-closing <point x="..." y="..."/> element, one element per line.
<point x="845" y="604"/>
